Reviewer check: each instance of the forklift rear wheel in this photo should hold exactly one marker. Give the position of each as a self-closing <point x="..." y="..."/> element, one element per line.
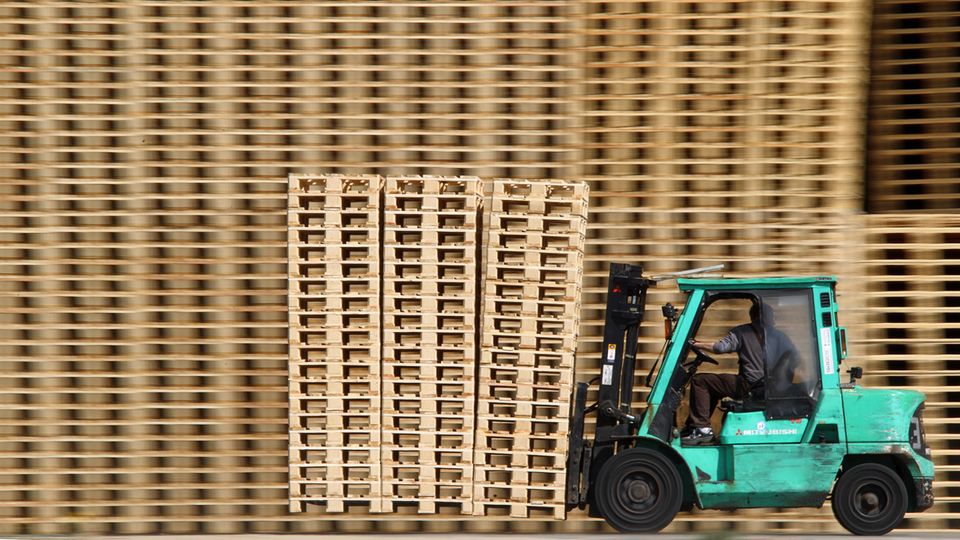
<point x="869" y="499"/>
<point x="639" y="490"/>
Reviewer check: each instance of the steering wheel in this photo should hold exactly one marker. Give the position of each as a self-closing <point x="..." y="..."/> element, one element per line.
<point x="701" y="356"/>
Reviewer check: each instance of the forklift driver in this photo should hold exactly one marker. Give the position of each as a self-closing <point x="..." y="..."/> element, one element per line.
<point x="707" y="389"/>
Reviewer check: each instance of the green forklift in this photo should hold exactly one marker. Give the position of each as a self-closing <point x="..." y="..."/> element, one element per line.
<point x="803" y="437"/>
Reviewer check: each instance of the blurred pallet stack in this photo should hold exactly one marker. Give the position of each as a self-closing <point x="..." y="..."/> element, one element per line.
<point x="913" y="156"/>
<point x="531" y="315"/>
<point x="430" y="246"/>
<point x="911" y="338"/>
<point x="717" y="132"/>
<point x="146" y="151"/>
<point x="334" y="253"/>
<point x="912" y="255"/>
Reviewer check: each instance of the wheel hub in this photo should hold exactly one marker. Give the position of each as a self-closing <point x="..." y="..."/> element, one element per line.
<point x="870" y="500"/>
<point x="638" y="491"/>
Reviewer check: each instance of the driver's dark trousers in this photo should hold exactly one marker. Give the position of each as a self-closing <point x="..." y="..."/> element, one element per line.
<point x="707" y="389"/>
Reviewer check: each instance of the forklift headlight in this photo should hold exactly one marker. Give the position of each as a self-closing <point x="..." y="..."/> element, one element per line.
<point x="918" y="438"/>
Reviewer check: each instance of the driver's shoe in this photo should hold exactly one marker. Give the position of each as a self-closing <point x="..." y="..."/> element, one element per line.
<point x="698" y="436"/>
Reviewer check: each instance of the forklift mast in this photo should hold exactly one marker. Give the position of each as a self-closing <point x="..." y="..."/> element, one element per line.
<point x="626" y="299"/>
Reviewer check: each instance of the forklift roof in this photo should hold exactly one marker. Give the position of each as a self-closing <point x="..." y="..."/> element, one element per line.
<point x="755" y="283"/>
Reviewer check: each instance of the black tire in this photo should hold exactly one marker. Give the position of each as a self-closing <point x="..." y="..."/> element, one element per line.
<point x="639" y="491"/>
<point x="869" y="499"/>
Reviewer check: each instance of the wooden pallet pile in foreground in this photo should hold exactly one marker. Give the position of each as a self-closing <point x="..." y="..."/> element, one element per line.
<point x="429" y="346"/>
<point x="334" y="245"/>
<point x="531" y="310"/>
<point x="384" y="343"/>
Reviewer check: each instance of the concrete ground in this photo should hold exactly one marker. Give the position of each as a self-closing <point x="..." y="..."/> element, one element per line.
<point x="908" y="535"/>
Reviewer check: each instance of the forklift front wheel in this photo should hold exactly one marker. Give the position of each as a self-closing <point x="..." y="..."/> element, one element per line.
<point x="639" y="491"/>
<point x="869" y="499"/>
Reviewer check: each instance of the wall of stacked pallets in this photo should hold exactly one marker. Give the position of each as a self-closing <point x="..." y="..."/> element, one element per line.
<point x="335" y="368"/>
<point x="143" y="343"/>
<point x="144" y="153"/>
<point x="431" y="232"/>
<point x="531" y="317"/>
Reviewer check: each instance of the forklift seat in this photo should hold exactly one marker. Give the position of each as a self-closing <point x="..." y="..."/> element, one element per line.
<point x="749" y="404"/>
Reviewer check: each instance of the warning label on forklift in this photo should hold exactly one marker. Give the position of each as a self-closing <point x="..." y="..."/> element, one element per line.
<point x="611" y="352"/>
<point x="607" y="376"/>
<point x="826" y="350"/>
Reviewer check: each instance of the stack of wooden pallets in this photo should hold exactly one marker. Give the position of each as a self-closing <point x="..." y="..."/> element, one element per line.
<point x="429" y="346"/>
<point x="384" y="343"/>
<point x="913" y="158"/>
<point x="530" y="324"/>
<point x="334" y="252"/>
<point x="911" y="336"/>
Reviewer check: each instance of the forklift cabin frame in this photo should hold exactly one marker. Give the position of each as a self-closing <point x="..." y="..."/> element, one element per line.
<point x="616" y="422"/>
